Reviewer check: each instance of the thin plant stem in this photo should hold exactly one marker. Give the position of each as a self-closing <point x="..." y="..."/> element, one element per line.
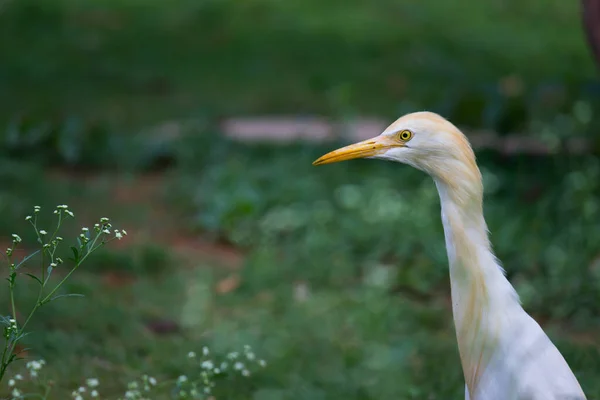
<point x="12" y="302"/>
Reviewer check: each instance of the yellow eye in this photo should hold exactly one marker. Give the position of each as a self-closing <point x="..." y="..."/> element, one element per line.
<point x="405" y="135"/>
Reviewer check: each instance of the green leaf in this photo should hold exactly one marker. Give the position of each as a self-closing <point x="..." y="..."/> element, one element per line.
<point x="27" y="258"/>
<point x="34" y="278"/>
<point x="75" y="254"/>
<point x="65" y="295"/>
<point x="49" y="273"/>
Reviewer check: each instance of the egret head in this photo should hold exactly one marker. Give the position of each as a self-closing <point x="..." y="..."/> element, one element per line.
<point x="423" y="140"/>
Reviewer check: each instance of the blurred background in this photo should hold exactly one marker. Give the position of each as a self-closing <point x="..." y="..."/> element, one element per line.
<point x="193" y="125"/>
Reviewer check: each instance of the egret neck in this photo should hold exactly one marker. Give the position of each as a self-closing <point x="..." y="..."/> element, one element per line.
<point x="479" y="287"/>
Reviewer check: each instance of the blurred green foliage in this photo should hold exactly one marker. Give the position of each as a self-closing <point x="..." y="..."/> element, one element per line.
<point x="332" y="224"/>
<point x="494" y="64"/>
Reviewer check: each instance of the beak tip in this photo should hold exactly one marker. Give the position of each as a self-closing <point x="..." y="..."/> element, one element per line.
<point x="318" y="161"/>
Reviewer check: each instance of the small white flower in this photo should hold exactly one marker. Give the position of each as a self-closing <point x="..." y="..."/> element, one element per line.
<point x="11" y="382"/>
<point x="246" y="372"/>
<point x="250" y="356"/>
<point x="35" y="365"/>
<point x="92" y="382"/>
<point x="70" y="213"/>
<point x="36" y="209"/>
<point x="207" y="390"/>
<point x="43" y="232"/>
<point x="262" y="363"/>
<point x="118" y="235"/>
<point x="207" y="364"/>
<point x="79" y="397"/>
<point x="233" y="355"/>
<point x="33" y="374"/>
<point x="106" y="231"/>
<point x="53" y="265"/>
<point x="205" y="351"/>
<point x="191" y="354"/>
<point x="84" y="229"/>
<point x="59" y="238"/>
<point x="27" y="218"/>
<point x="152" y="381"/>
<point x="182" y="378"/>
<point x="94" y="393"/>
<point x="238" y="365"/>
<point x="19" y="377"/>
<point x="224" y="365"/>
<point x="216" y="371"/>
<point x="132" y="385"/>
<point x="124" y="232"/>
<point x="130" y="394"/>
<point x="16" y="238"/>
<point x="16" y="392"/>
<point x="104" y="220"/>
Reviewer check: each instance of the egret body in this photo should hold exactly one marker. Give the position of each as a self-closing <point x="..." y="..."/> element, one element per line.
<point x="505" y="354"/>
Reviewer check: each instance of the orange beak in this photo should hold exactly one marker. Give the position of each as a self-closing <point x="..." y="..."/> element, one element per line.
<point x="365" y="149"/>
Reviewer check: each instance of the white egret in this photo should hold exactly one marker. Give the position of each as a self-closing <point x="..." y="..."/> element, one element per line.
<point x="504" y="352"/>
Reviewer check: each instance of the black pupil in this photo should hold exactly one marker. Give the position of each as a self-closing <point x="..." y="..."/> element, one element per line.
<point x="404" y="135"/>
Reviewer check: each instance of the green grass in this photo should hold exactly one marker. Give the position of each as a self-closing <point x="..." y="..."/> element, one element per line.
<point x="358" y="343"/>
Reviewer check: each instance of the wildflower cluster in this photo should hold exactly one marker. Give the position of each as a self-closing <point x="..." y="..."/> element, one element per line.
<point x="87" y="391"/>
<point x="200" y="383"/>
<point x="34" y="367"/>
<point x="12" y="384"/>
<point x="104" y="227"/>
<point x="16" y="239"/>
<point x="11" y="329"/>
<point x="140" y="390"/>
<point x="211" y="370"/>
